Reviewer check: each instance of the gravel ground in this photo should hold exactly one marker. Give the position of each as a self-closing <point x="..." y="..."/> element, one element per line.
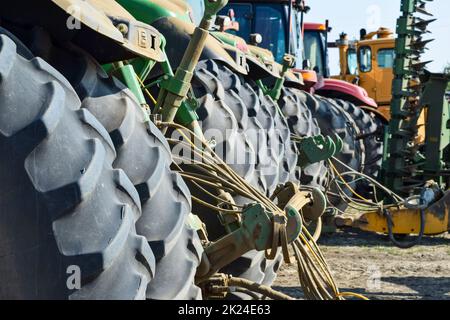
<point x="369" y="264"/>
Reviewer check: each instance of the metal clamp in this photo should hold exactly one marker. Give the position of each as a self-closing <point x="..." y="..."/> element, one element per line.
<point x="316" y="149"/>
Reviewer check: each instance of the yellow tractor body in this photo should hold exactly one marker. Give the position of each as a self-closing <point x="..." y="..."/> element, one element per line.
<point x="369" y="62"/>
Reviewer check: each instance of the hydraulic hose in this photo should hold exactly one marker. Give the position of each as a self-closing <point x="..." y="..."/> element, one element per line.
<point x="255" y="287"/>
<point x="403" y="244"/>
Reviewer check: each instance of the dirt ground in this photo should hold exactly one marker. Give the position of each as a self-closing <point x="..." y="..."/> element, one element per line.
<point x="369" y="264"/>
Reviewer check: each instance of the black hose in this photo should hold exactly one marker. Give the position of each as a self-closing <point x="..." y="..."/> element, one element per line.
<point x="403" y="244"/>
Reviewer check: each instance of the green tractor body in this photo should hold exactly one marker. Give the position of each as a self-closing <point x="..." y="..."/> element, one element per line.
<point x="112" y="60"/>
<point x="96" y="97"/>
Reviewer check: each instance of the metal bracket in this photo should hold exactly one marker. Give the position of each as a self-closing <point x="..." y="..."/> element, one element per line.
<point x="255" y="233"/>
<point x="175" y="90"/>
<point x="311" y="204"/>
<point x="256" y="227"/>
<point x="212" y="7"/>
<point x="317" y="148"/>
<point x="275" y="92"/>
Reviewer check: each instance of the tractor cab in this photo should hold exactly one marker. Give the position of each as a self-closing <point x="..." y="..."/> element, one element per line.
<point x="316" y="50"/>
<point x="369" y="62"/>
<point x="269" y="20"/>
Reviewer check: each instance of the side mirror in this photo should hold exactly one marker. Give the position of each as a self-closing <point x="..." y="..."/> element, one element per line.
<point x="255" y="39"/>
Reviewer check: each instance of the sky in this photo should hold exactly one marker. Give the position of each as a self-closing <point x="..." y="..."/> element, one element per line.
<point x="352" y="15"/>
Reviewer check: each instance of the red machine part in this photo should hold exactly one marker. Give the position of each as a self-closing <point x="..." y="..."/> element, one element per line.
<point x="341" y="89"/>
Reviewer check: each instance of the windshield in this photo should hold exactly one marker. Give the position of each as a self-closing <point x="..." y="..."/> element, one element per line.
<point x="265" y="19"/>
<point x="243" y="15"/>
<point x="269" y="23"/>
<point x="386" y="58"/>
<point x="314" y="50"/>
<point x="296" y="39"/>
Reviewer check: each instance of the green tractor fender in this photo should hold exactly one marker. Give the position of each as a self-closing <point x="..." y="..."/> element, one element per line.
<point x="178" y="32"/>
<point x="102" y="28"/>
<point x="260" y="65"/>
<point x="261" y="62"/>
<point x="266" y="57"/>
<point x="173" y="19"/>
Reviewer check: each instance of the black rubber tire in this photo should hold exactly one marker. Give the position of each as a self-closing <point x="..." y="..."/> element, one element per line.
<point x="63" y="204"/>
<point x="271" y="269"/>
<point x="288" y="157"/>
<point x="252" y="113"/>
<point x="239" y="96"/>
<point x="301" y="123"/>
<point x="354" y="132"/>
<point x="144" y="155"/>
<point x="332" y="120"/>
<point x="368" y="125"/>
<point x="215" y="114"/>
<point x="219" y="124"/>
<point x="288" y="153"/>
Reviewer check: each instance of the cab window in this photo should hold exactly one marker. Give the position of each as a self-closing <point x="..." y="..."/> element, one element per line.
<point x="386" y="58"/>
<point x="269" y="23"/>
<point x="297" y="41"/>
<point x="243" y="15"/>
<point x="365" y="59"/>
<point x="352" y="62"/>
<point x="314" y="49"/>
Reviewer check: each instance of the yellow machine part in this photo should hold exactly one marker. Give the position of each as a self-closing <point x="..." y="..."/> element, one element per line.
<point x="385" y="112"/>
<point x="378" y="81"/>
<point x="405" y="221"/>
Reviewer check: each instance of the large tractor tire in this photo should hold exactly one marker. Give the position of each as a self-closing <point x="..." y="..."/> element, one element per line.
<point x="370" y="129"/>
<point x="334" y="120"/>
<point x="302" y="124"/>
<point x="144" y="155"/>
<point x="245" y="105"/>
<point x="287" y="150"/>
<point x="68" y="217"/>
<point x="227" y="96"/>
